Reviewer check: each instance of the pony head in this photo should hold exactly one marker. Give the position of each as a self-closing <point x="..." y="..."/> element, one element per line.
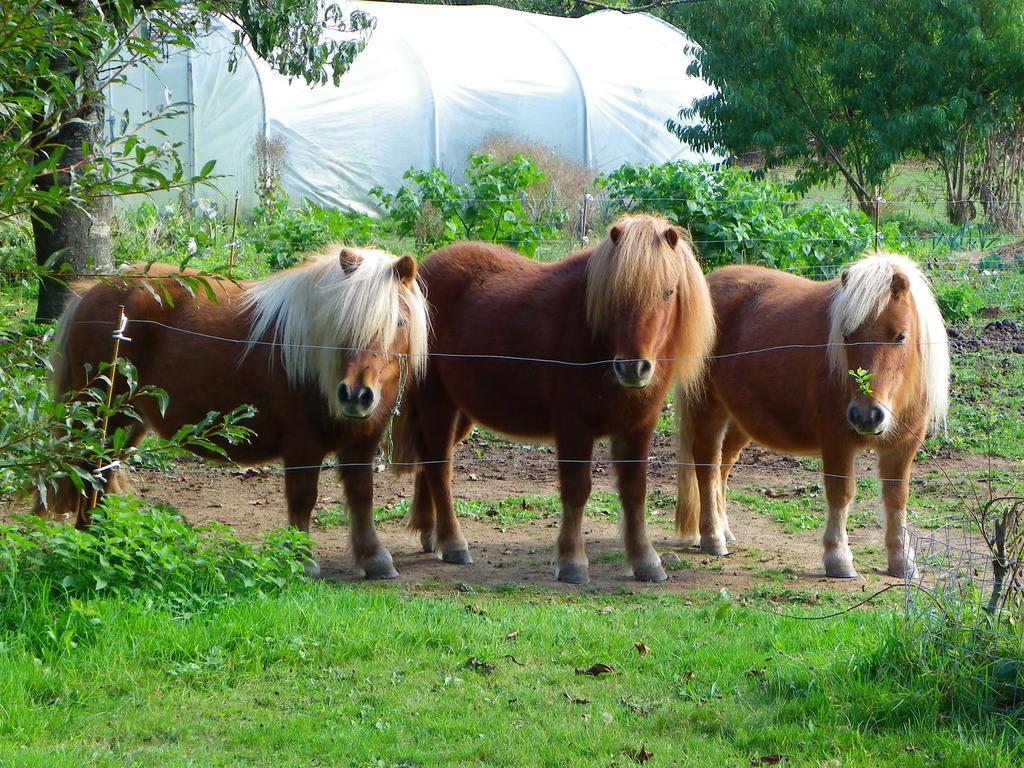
<point x="885" y="322"/>
<point x="350" y="322"/>
<point x="643" y="282"/>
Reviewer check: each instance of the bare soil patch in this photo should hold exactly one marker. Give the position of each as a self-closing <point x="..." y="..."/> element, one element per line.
<point x="252" y="502"/>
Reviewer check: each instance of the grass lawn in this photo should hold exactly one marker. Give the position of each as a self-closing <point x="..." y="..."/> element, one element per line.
<point x="364" y="675"/>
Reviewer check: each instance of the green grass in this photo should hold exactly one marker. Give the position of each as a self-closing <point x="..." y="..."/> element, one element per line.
<point x="355" y="675"/>
<point x="801" y="512"/>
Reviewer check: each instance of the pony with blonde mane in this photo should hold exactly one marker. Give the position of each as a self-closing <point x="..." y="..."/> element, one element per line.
<point x="571" y="351"/>
<point x="319" y="350"/>
<point x="800" y="395"/>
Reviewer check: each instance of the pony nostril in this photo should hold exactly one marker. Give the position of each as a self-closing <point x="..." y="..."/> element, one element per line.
<point x="344" y="393"/>
<point x="644" y="367"/>
<point x="366" y="397"/>
<point x="877" y="415"/>
<point x="853" y="414"/>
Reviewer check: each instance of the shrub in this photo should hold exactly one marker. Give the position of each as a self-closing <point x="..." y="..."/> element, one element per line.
<point x="958" y="302"/>
<point x="132" y="551"/>
<point x="282" y="234"/>
<point x="273" y="235"/>
<point x="490" y="205"/>
<point x="733" y="217"/>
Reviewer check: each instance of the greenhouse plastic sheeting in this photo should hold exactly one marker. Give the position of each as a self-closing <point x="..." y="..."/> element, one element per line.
<point x="433" y="84"/>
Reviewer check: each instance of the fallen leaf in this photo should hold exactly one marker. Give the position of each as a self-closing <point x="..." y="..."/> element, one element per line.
<point x="574" y="699"/>
<point x="512" y="636"/>
<point x="636" y="709"/>
<point x="641" y="755"/>
<point x="767" y="760"/>
<point x="641" y="648"/>
<point x="479" y="665"/>
<point x="756" y="672"/>
<point x="477" y="609"/>
<point x="596" y="669"/>
<point x="513" y="659"/>
<point x="606" y="609"/>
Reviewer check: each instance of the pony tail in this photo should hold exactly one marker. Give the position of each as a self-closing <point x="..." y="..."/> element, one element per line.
<point x="60" y="368"/>
<point x="404" y="438"/>
<point x="63" y="500"/>
<point x="688" y="498"/>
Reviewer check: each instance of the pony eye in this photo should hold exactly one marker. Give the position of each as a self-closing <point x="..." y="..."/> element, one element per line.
<point x="668" y="293"/>
<point x="901" y="337"/>
<point x="402" y="322"/>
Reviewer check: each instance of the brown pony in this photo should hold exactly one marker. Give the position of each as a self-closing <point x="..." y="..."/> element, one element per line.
<point x="796" y="394"/>
<point x="316" y="349"/>
<point x="574" y="351"/>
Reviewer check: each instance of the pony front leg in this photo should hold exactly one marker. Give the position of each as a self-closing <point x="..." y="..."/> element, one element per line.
<point x="630" y="451"/>
<point x="574" y="466"/>
<point x="300" y="488"/>
<point x="356" y="471"/>
<point x="894" y="474"/>
<point x="839" y="491"/>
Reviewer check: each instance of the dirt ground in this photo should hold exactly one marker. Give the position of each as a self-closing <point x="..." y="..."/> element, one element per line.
<point x="252" y="501"/>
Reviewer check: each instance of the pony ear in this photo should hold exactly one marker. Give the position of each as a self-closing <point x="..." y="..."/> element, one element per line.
<point x="349" y="260"/>
<point x="405" y="269"/>
<point x="900" y="284"/>
<point x="844" y="277"/>
<point x="671" y="236"/>
<point x="615" y="233"/>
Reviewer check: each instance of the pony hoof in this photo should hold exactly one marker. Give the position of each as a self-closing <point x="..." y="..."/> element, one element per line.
<point x="904" y="570"/>
<point x="710" y="545"/>
<point x="384" y="574"/>
<point x="650" y="572"/>
<point x="730" y="537"/>
<point x="427" y="541"/>
<point x="379" y="567"/>
<point x="692" y="540"/>
<point x="574" y="573"/>
<point x="457" y="557"/>
<point x="312" y="569"/>
<point x="839" y="564"/>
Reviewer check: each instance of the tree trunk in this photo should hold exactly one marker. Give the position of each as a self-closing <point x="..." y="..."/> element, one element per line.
<point x="959" y="210"/>
<point x="75" y="236"/>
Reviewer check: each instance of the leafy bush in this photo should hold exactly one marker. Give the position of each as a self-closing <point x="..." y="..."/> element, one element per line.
<point x="734" y="217"/>
<point x="273" y="235"/>
<point x="43" y="440"/>
<point x="490" y="205"/>
<point x="132" y="551"/>
<point x="958" y="302"/>
<point x="282" y="234"/>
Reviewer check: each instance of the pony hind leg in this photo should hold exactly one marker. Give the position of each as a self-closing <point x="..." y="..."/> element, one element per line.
<point x="837" y="465"/>
<point x="630" y="451"/>
<point x="894" y="474"/>
<point x="575" y="452"/>
<point x="707" y="458"/>
<point x="421" y="513"/>
<point x="732" y="446"/>
<point x="438" y="425"/>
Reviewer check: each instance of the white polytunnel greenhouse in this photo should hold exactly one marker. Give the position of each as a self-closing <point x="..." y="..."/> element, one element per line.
<point x="433" y="84"/>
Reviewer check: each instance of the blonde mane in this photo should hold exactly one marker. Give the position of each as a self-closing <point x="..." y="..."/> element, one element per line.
<point x="865" y="296"/>
<point x="317" y="314"/>
<point x="636" y="269"/>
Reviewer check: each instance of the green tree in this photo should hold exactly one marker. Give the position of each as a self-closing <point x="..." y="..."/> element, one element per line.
<point x="849" y="88"/>
<point x="57" y="56"/>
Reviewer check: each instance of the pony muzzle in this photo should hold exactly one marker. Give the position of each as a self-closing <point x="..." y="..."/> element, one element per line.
<point x="357" y="402"/>
<point x="635" y="374"/>
<point x="868" y="419"/>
